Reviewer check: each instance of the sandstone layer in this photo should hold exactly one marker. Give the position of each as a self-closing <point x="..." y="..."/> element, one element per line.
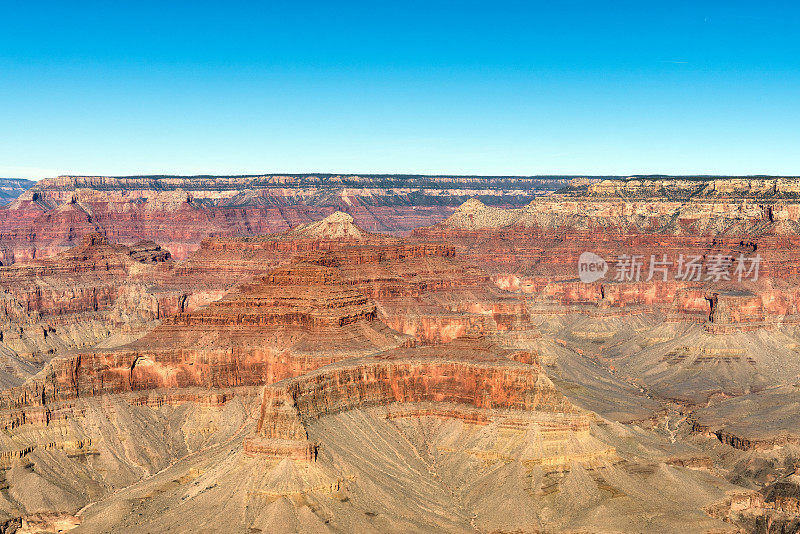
<point x="291" y="321"/>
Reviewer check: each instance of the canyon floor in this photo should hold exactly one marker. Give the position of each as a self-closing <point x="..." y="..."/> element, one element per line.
<point x="343" y="354"/>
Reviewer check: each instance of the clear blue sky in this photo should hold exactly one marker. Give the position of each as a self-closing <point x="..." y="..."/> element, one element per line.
<point x="556" y="87"/>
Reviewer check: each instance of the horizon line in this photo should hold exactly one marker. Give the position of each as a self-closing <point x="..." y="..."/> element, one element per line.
<point x="419" y="175"/>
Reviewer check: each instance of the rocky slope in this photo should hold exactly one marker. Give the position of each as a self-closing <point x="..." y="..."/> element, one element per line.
<point x="464" y="380"/>
<point x="409" y="440"/>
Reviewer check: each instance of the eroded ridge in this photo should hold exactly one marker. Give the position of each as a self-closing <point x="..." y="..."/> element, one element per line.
<point x="303" y="294"/>
<point x="468" y="379"/>
<point x="291" y="321"/>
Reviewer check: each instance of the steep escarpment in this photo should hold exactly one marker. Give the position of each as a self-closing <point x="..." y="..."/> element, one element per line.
<point x="421" y="288"/>
<point x="426" y="290"/>
<point x="467" y="379"/>
<point x="710" y="267"/>
<point x="764" y="187"/>
<point x="654" y="249"/>
<point x="475" y="418"/>
<point x="453" y="388"/>
<point x="222" y="262"/>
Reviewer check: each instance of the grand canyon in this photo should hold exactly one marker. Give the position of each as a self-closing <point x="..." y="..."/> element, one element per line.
<point x="377" y="353"/>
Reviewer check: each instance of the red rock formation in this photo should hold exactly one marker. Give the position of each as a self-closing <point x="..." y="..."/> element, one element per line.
<point x="467" y="373"/>
<point x="77" y="299"/>
<point x="290" y="296"/>
<point x="179" y="212"/>
<point x="314" y="330"/>
<point x="85" y="278"/>
<point x="422" y="288"/>
<point x="291" y="321"/>
<point x="535" y="250"/>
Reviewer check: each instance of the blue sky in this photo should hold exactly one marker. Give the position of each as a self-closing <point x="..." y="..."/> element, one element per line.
<point x="399" y="87"/>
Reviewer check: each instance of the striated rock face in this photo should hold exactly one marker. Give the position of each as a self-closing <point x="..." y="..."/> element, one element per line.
<point x="479" y="386"/>
<point x="303" y="294"/>
<point x="461" y="378"/>
<point x="291" y="321"/>
<point x="747" y="187"/>
<point x="536" y="249"/>
<point x="93" y="292"/>
<point x="338" y="225"/>
<point x="179" y="212"/>
<point x="425" y="290"/>
<point x="466" y="379"/>
<point x="30" y="231"/>
<point x="422" y="289"/>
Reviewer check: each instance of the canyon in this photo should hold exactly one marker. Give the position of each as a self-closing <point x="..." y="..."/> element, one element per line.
<point x="390" y="354"/>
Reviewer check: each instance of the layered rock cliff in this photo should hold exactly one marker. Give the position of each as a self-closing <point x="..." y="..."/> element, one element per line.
<point x="655" y="250"/>
<point x="95" y="292"/>
<point x="292" y="320"/>
<point x="466" y="379"/>
<point x="463" y="377"/>
<point x="422" y="289"/>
